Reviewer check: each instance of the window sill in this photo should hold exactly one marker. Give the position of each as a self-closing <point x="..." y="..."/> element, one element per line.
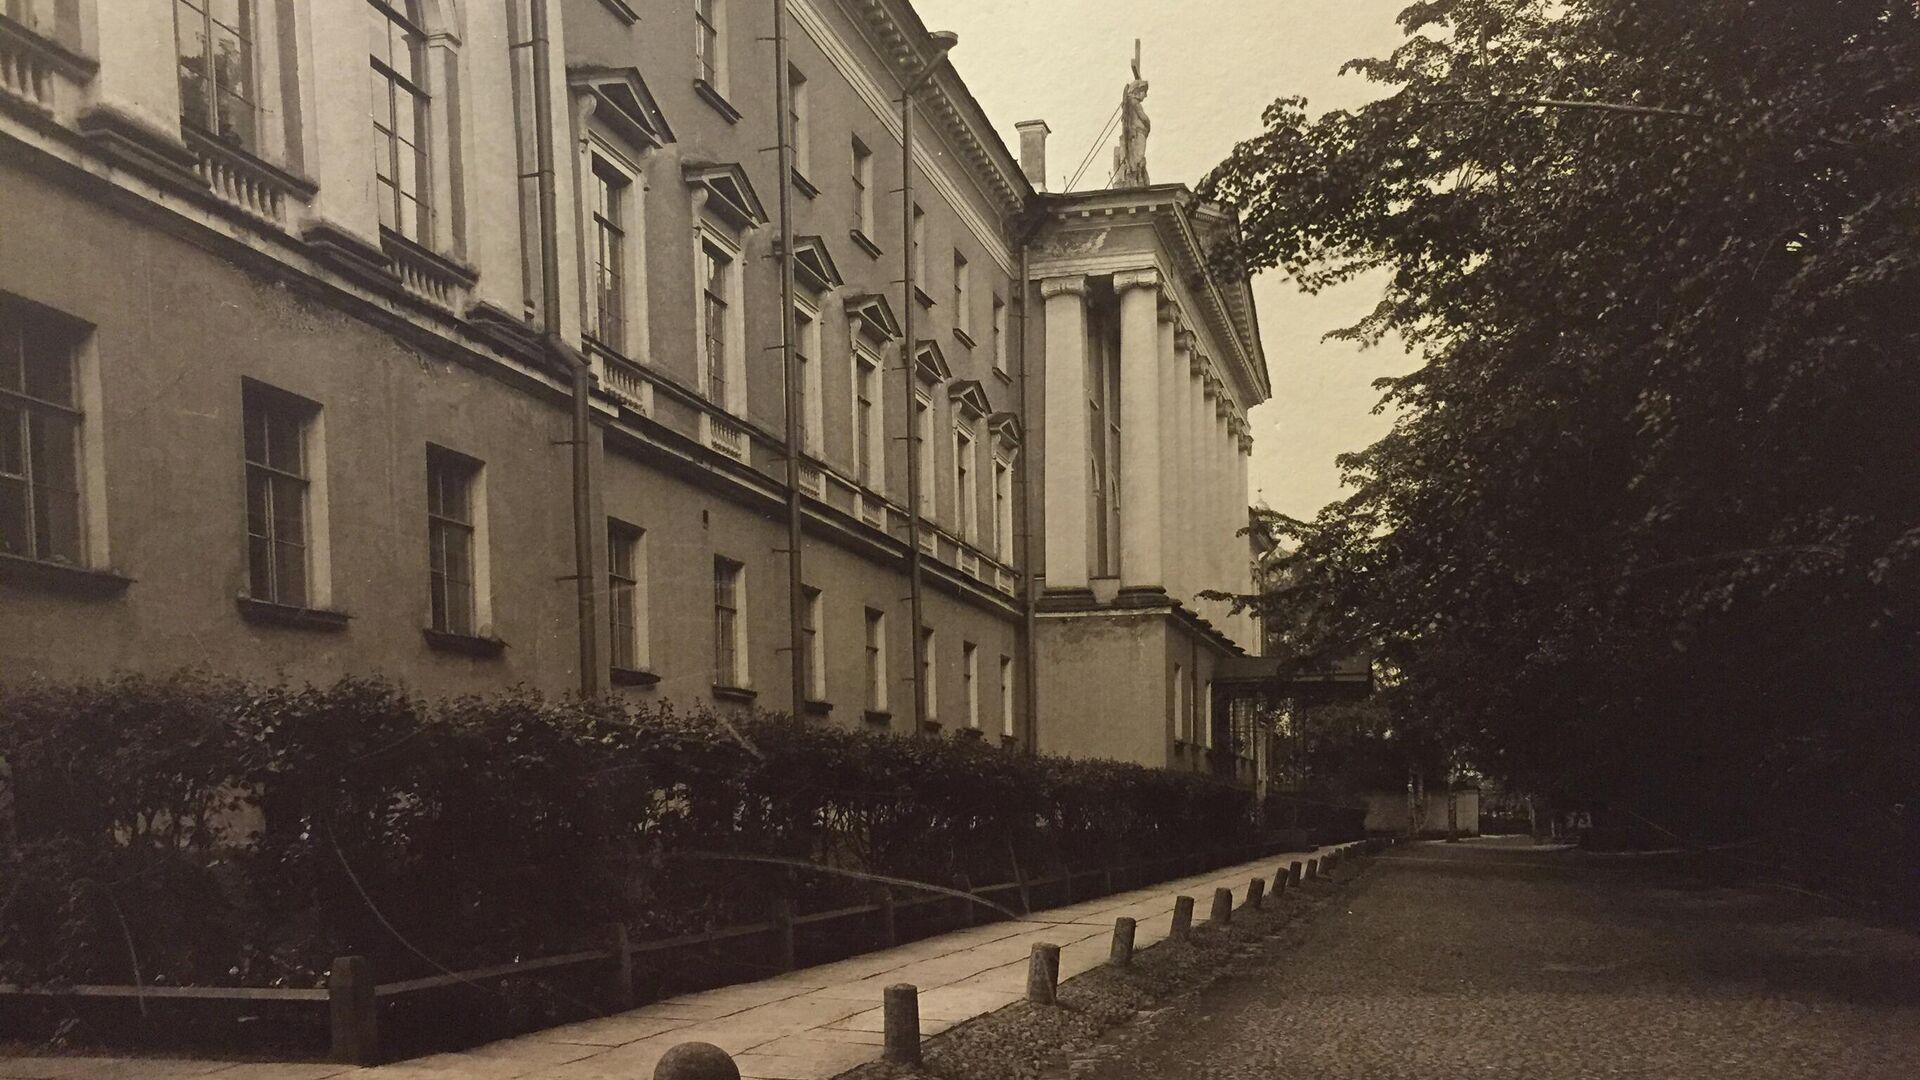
<point x="271" y="614"/>
<point x="811" y="707"/>
<point x="1003" y="375"/>
<point x="922" y="295"/>
<point x="931" y="727"/>
<point x="465" y="644"/>
<point x="878" y="717"/>
<point x="805" y="186"/>
<point x="60" y="577"/>
<point x="734" y="693"/>
<point x="963" y="337"/>
<point x="622" y="11"/>
<point x="865" y="243"/>
<point x="970" y="734"/>
<point x="620" y="676"/>
<point x="708" y="93"/>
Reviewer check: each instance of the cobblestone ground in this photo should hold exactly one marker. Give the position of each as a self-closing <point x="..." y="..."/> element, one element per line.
<point x="1489" y="959"/>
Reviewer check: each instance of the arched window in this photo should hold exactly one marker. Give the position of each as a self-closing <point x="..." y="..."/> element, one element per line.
<point x="400" y="105"/>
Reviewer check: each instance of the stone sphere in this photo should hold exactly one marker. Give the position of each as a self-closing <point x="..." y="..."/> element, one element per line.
<point x="696" y="1061"/>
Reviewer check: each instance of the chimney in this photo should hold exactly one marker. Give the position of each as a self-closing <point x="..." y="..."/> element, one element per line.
<point x="1033" y="151"/>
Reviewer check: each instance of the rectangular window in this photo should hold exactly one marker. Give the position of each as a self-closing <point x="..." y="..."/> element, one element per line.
<point x="278" y="486"/>
<point x="717" y="271"/>
<point x="626" y="595"/>
<point x="1006" y="696"/>
<point x="450" y="540"/>
<point x="400" y="114"/>
<point x="797" y="116"/>
<point x="999" y="335"/>
<point x="806" y="345"/>
<point x="920" y="248"/>
<point x="608" y="191"/>
<point x="39" y="438"/>
<point x="876" y="647"/>
<point x="923" y="434"/>
<point x="214" y="43"/>
<point x="729" y="629"/>
<point x="966" y="499"/>
<point x="1002" y="510"/>
<point x="862" y="188"/>
<point x="1205" y="719"/>
<point x="813" y="644"/>
<point x="928" y="672"/>
<point x="709" y="61"/>
<point x="970" y="675"/>
<point x="962" y="301"/>
<point x="1179" y="703"/>
<point x="866" y="420"/>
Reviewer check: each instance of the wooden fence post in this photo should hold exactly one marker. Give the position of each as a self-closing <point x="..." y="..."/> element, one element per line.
<point x="1256" y="892"/>
<point x="1293" y="873"/>
<point x="901" y="1023"/>
<point x="1043" y="973"/>
<point x="889" y="917"/>
<point x="1279" y="881"/>
<point x="1182" y="919"/>
<point x="1222" y="906"/>
<point x="620" y="971"/>
<point x="352" y="1009"/>
<point x="1121" y="952"/>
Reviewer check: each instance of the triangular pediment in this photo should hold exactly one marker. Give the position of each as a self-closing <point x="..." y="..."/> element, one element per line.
<point x="729" y="193"/>
<point x="873" y="316"/>
<point x="1007" y="428"/>
<point x="971" y="396"/>
<point x="930" y="363"/>
<point x="813" y="265"/>
<point x="623" y="104"/>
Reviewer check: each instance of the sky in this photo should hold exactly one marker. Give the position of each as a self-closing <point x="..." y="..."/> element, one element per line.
<point x="1211" y="68"/>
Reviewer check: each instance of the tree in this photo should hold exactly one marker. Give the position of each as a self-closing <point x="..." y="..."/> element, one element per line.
<point x="1646" y="531"/>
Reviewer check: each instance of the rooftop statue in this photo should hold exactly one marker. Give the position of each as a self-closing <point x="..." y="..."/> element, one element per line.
<point x="1130" y="157"/>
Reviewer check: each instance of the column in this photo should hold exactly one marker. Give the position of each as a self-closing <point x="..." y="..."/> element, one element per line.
<point x="1173" y="380"/>
<point x="1140" y="555"/>
<point x="1222" y="545"/>
<point x="1249" y="627"/>
<point x="1201" y="508"/>
<point x="1065" y="433"/>
<point x="1186" y="378"/>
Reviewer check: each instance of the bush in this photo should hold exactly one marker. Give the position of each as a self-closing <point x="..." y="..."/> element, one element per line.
<point x="194" y="830"/>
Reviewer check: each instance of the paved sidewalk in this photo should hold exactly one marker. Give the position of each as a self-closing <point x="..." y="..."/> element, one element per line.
<point x="805" y="1025"/>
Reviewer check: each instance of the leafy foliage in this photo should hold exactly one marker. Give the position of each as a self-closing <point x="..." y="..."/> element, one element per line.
<point x="1646" y="531"/>
<point x="195" y="830"/>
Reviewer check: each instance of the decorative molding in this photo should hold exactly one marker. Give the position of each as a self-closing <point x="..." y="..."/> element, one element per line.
<point x="712" y="96"/>
<point x="814" y="264"/>
<point x="622" y="11"/>
<point x="970" y="396"/>
<point x="864" y="243"/>
<point x="624" y="104"/>
<point x="873" y="317"/>
<point x="930" y="364"/>
<point x="1075" y="285"/>
<point x="1185" y="340"/>
<point x="730" y="193"/>
<point x="1144" y="278"/>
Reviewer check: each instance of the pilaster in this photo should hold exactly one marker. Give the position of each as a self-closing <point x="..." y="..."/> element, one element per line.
<point x="1141" y="562"/>
<point x="1065" y="300"/>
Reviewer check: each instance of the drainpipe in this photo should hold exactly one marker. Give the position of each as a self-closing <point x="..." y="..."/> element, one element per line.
<point x="909" y="357"/>
<point x="1029" y="608"/>
<point x="578" y="365"/>
<point x="796" y="581"/>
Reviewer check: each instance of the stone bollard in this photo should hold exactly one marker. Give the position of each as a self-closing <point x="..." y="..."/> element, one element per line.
<point x="1043" y="973"/>
<point x="1293" y="873"/>
<point x="696" y="1061"/>
<point x="1222" y="907"/>
<point x="1256" y="892"/>
<point x="1182" y="919"/>
<point x="1313" y="869"/>
<point x="355" y="1019"/>
<point x="1279" y="881"/>
<point x="902" y="1024"/>
<point x="1121" y="952"/>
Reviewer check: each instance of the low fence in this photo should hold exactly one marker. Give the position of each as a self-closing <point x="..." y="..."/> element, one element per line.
<point x="354" y="998"/>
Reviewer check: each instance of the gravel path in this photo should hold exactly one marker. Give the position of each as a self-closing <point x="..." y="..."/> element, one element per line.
<point x="1488" y="959"/>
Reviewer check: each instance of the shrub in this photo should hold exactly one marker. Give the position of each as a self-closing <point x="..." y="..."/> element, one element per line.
<point x="198" y="830"/>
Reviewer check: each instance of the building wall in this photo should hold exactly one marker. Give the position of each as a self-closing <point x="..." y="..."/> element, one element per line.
<point x="1387" y="812"/>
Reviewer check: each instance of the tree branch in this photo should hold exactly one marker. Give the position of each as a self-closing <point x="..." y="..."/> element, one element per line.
<point x="1596" y="106"/>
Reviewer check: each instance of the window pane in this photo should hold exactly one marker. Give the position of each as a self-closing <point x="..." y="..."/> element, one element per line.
<point x="289" y="502"/>
<point x="259" y="567"/>
<point x="284" y="437"/>
<point x="47" y="354"/>
<point x="290" y="574"/>
<point x="259" y="499"/>
<point x="13" y="450"/>
<point x="56" y="488"/>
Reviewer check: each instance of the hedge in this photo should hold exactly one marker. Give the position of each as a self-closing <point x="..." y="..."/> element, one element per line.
<point x="207" y="831"/>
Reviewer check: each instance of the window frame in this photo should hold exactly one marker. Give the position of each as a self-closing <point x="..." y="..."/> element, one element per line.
<point x="730" y="645"/>
<point x="966" y="489"/>
<point x="999" y="331"/>
<point x="930" y="672"/>
<point x="305" y="416"/>
<point x="869" y="423"/>
<point x="962" y="295"/>
<point x="731" y="392"/>
<point x="710" y="43"/>
<point x="1006" y="696"/>
<point x="970" y="676"/>
<point x="446" y="464"/>
<point x="806" y="349"/>
<point x="923" y="420"/>
<point x="813" y="632"/>
<point x="414" y="85"/>
<point x="862" y="169"/>
<point x="799" y="114"/>
<point x="1002" y="508"/>
<point x="875" y="668"/>
<point x="29" y="406"/>
<point x="628" y="589"/>
<point x="609" y="171"/>
<point x="214" y="98"/>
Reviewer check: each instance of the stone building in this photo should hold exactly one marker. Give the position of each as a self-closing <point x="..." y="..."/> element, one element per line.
<point x="283" y="391"/>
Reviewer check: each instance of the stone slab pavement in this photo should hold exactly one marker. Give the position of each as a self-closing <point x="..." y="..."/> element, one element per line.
<point x="809" y="1024"/>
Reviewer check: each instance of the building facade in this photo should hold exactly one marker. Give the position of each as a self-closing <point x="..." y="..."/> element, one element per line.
<point x="287" y="355"/>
